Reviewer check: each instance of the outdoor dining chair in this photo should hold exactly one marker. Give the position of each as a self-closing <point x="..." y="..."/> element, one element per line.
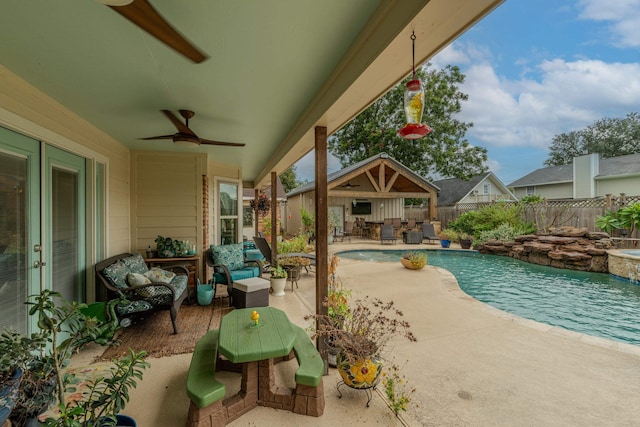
<point x="387" y="234"/>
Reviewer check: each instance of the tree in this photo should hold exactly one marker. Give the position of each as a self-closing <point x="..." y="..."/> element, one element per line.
<point x="609" y="137"/>
<point x="289" y="179"/>
<point x="444" y="152"/>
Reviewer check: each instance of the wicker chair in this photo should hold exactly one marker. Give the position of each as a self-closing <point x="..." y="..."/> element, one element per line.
<point x="387" y="234"/>
<point x="229" y="265"/>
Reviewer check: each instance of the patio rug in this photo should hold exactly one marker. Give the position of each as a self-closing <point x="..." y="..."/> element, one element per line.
<point x="154" y="334"/>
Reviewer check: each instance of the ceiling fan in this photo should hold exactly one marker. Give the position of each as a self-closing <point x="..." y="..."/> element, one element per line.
<point x="142" y="14"/>
<point x="349" y="185"/>
<point x="186" y="136"/>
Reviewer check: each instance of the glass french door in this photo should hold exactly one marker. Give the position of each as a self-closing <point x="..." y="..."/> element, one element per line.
<point x="65" y="223"/>
<point x="19" y="227"/>
<point x="42" y="225"/>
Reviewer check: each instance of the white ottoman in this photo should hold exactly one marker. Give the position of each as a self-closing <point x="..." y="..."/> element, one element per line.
<point x="252" y="292"/>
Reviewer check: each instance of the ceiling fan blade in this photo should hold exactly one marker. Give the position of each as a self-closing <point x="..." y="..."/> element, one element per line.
<point x="182" y="128"/>
<point x="142" y="14"/>
<point x="226" y="144"/>
<point x="157" y="137"/>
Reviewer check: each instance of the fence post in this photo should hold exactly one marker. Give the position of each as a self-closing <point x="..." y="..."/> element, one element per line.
<point x="623" y="199"/>
<point x="607" y="198"/>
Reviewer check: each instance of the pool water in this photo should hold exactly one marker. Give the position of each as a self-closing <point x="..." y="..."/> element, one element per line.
<point x="591" y="303"/>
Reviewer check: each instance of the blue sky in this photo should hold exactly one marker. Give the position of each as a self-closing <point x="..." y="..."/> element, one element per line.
<point x="535" y="69"/>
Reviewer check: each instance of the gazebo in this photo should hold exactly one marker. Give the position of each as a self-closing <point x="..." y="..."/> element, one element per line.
<point x="373" y="189"/>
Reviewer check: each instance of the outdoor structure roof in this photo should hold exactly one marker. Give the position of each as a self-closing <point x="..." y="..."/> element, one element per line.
<point x="249" y="193"/>
<point x="342" y="176"/>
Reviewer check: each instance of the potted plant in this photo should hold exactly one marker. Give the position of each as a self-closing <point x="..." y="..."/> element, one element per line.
<point x="64" y="330"/>
<point x="293" y="265"/>
<point x="362" y="337"/>
<point x="278" y="280"/>
<point x="414" y="260"/>
<point x="16" y="352"/>
<point x="465" y="240"/>
<point x="169" y="248"/>
<point x="447" y="235"/>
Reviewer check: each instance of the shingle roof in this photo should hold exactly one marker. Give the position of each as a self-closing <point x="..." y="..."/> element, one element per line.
<point x="548" y="175"/>
<point x="452" y="190"/>
<point x="612" y="166"/>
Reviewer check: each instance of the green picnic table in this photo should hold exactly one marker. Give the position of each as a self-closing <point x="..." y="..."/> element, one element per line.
<point x="241" y="340"/>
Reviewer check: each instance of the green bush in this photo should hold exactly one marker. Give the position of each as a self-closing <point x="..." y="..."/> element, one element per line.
<point x="296" y="244"/>
<point x="490" y="218"/>
<point x="504" y="233"/>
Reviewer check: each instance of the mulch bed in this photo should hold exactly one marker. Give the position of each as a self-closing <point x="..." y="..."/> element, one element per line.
<point x="154" y="334"/>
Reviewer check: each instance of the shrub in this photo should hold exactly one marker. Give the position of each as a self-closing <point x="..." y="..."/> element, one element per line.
<point x="296" y="244"/>
<point x="504" y="233"/>
<point x="490" y="218"/>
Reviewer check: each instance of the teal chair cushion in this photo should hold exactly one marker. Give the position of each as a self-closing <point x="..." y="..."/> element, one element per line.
<point x="229" y="255"/>
<point x="136" y="264"/>
<point x="243" y="273"/>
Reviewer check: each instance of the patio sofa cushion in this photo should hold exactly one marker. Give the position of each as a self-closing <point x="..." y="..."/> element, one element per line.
<point x="137" y="279"/>
<point x="311" y="365"/>
<point x="116" y="273"/>
<point x="136" y="264"/>
<point x="229" y="255"/>
<point x="131" y="307"/>
<point x="202" y="386"/>
<point x="158" y="275"/>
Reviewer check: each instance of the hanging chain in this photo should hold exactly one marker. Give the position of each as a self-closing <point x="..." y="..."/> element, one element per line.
<point x="413" y="53"/>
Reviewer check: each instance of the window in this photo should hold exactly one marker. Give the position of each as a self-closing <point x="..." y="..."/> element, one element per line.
<point x="531" y="190"/>
<point x="228" y="212"/>
<point x="247" y="216"/>
<point x="486" y="188"/>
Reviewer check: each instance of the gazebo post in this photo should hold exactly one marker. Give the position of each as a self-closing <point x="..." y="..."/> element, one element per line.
<point x="274" y="218"/>
<point x="322" y="207"/>
<point x="256" y="195"/>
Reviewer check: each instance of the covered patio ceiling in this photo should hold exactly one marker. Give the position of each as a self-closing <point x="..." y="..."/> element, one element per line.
<point x="275" y="69"/>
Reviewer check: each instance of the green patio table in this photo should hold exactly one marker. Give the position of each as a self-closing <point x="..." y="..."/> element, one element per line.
<point x="241" y="340"/>
<point x="254" y="350"/>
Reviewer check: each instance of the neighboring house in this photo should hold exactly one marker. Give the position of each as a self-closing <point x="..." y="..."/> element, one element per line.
<point x="248" y="214"/>
<point x="480" y="188"/>
<point x="587" y="177"/>
<point x="373" y="189"/>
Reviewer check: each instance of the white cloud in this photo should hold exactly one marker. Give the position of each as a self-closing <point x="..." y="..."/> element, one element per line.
<point x="565" y="96"/>
<point x="623" y="16"/>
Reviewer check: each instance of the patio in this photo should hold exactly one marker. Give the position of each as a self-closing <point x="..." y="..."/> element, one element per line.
<point x="478" y="366"/>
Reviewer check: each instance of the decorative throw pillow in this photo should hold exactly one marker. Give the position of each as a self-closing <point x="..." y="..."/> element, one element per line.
<point x="135" y="263"/>
<point x="117" y="274"/>
<point x="229" y="255"/>
<point x="158" y="275"/>
<point x="137" y="279"/>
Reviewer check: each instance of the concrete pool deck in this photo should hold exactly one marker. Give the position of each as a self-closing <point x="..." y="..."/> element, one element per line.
<point x="472" y="365"/>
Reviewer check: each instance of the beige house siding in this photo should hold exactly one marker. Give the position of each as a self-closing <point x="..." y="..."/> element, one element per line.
<point x="30" y="112"/>
<point x="548" y="191"/>
<point x="166" y="197"/>
<point x="630" y="185"/>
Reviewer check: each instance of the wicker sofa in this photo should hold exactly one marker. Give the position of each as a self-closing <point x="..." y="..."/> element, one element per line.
<point x="163" y="289"/>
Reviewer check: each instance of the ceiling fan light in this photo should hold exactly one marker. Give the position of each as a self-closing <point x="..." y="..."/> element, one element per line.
<point x="115" y="2"/>
<point x="185" y="143"/>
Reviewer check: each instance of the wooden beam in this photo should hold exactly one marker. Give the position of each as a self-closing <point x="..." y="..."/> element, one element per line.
<point x="372" y="181"/>
<point x="381" y="182"/>
<point x="256" y="195"/>
<point x="322" y="250"/>
<point x="392" y="181"/>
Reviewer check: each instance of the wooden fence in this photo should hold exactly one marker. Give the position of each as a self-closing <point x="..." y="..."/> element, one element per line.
<point x="548" y="213"/>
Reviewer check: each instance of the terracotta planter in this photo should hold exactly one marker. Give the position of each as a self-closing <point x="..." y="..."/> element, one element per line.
<point x="363" y="373"/>
<point x="411" y="266"/>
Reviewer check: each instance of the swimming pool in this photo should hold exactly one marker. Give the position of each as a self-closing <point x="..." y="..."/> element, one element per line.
<point x="591" y="303"/>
